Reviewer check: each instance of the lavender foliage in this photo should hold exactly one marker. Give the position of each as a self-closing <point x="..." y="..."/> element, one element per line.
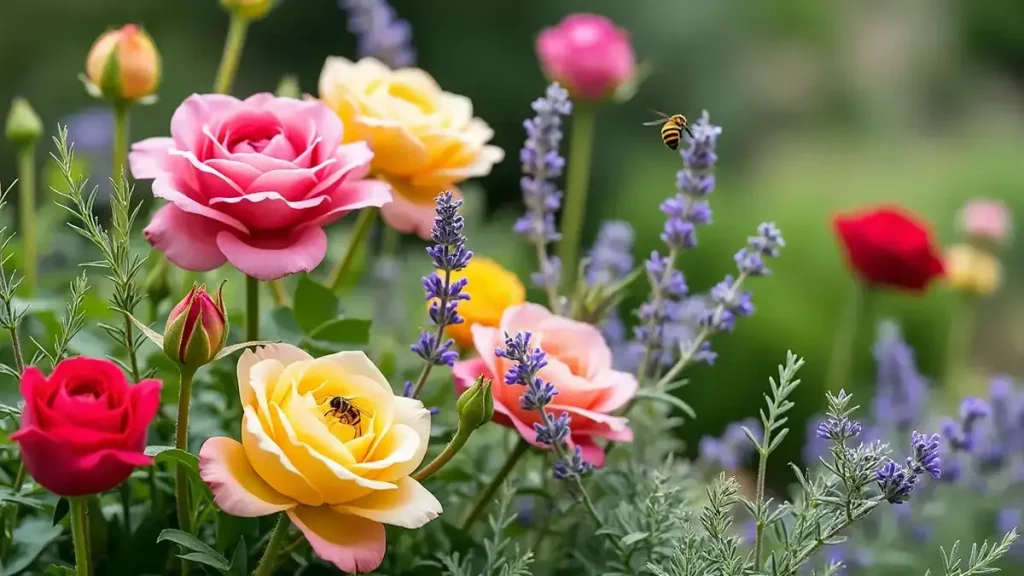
<point x="448" y="254"/>
<point x="543" y="164"/>
<point x="379" y="32"/>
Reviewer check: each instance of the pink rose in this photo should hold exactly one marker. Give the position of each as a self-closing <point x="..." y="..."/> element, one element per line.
<point x="253" y="183"/>
<point x="579" y="366"/>
<point x="588" y="54"/>
<point x="986" y="219"/>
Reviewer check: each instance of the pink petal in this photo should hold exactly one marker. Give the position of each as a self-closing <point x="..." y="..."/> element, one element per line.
<point x="211" y="182"/>
<point x="261" y="162"/>
<point x="280" y="147"/>
<point x="188" y="240"/>
<point x="351" y="543"/>
<point x="268" y="210"/>
<point x="148" y="158"/>
<point x="293" y="184"/>
<point x="590" y="423"/>
<point x="144" y="399"/>
<point x="197" y="110"/>
<point x="485" y="339"/>
<point x="260" y="100"/>
<point x="353" y="164"/>
<point x="411" y="506"/>
<point x="409" y="217"/>
<point x="622" y="387"/>
<point x="355" y="196"/>
<point x="273" y="258"/>
<point x="164" y="188"/>
<point x="236" y="487"/>
<point x="238" y="172"/>
<point x="591" y="451"/>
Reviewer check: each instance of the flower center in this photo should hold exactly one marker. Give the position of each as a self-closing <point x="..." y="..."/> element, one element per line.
<point x="347" y="417"/>
<point x="576" y="363"/>
<point x="412" y="96"/>
<point x="87" y="391"/>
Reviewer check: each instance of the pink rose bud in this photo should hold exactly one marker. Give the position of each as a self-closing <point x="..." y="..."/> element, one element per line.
<point x="196" y="328"/>
<point x="123" y="64"/>
<point x="986" y="219"/>
<point x="588" y="54"/>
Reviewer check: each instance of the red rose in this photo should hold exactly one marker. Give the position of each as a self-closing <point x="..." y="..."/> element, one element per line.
<point x="83" y="430"/>
<point x="889" y="247"/>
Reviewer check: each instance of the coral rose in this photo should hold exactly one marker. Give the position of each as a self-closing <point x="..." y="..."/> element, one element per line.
<point x="83" y="429"/>
<point x="889" y="247"/>
<point x="340" y="478"/>
<point x="588" y="54"/>
<point x="424" y="140"/>
<point x="491" y="289"/>
<point x="252" y="183"/>
<point x="579" y="367"/>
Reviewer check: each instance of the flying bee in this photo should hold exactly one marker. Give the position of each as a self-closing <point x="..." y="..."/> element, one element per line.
<point x="671" y="129"/>
<point x="347" y="413"/>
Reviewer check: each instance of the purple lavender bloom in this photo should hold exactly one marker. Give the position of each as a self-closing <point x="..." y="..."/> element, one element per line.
<point x="379" y="32"/>
<point x="895" y="481"/>
<point x="731" y="449"/>
<point x="92" y="131"/>
<point x="611" y="257"/>
<point x="926" y="455"/>
<point x="448" y="254"/>
<point x="901" y="389"/>
<point x="838" y="429"/>
<point x="815" y="447"/>
<point x="542" y="165"/>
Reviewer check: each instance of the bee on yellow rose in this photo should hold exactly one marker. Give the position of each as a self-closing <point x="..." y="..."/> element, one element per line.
<point x="671" y="129"/>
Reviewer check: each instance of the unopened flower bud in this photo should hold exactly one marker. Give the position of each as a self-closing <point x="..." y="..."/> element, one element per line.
<point x="23" y="124"/>
<point x="123" y="65"/>
<point x="475" y="406"/>
<point x="196" y="328"/>
<point x="972" y="270"/>
<point x="248" y="9"/>
<point x="289" y="87"/>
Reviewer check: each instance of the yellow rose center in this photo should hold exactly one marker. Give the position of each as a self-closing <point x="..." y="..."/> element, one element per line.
<point x="346" y="417"/>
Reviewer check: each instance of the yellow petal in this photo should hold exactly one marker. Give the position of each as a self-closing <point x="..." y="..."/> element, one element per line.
<point x="396" y="150"/>
<point x="351" y="543"/>
<point x="411" y="506"/>
<point x="236" y="487"/>
<point x="394" y="456"/>
<point x="306" y="419"/>
<point x="262" y="376"/>
<point x="271" y="463"/>
<point x="284" y="353"/>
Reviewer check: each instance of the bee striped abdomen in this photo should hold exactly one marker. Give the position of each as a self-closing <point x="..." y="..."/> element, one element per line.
<point x="671" y="133"/>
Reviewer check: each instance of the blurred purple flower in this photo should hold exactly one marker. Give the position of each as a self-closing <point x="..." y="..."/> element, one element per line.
<point x="900" y="389"/>
<point x="379" y="32"/>
<point x="731" y="449"/>
<point x="91" y="130"/>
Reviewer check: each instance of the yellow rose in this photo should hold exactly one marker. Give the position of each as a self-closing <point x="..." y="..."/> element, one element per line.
<point x="338" y="477"/>
<point x="491" y="290"/>
<point x="424" y="140"/>
<point x="973" y="271"/>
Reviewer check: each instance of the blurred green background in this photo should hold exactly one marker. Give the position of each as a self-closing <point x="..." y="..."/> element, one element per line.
<point x="825" y="106"/>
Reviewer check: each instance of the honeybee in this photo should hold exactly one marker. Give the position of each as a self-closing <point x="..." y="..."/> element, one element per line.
<point x="347" y="413"/>
<point x="671" y="129"/>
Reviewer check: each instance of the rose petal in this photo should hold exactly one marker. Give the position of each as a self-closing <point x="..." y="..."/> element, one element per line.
<point x="396" y="150"/>
<point x="351" y="543"/>
<point x="354" y="196"/>
<point x="591" y="452"/>
<point x="411" y="506"/>
<point x="165" y="188"/>
<point x="589" y="423"/>
<point x="196" y="111"/>
<point x="352" y="163"/>
<point x="286" y="354"/>
<point x="144" y="399"/>
<point x="211" y="183"/>
<point x="271" y="463"/>
<point x="275" y="258"/>
<point x="408" y="217"/>
<point x="622" y="386"/>
<point x="148" y="158"/>
<point x="195" y="250"/>
<point x="237" y="488"/>
<point x="266" y="211"/>
<point x="238" y="172"/>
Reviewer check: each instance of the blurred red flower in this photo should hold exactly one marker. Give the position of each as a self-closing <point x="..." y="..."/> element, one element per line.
<point x="83" y="429"/>
<point x="888" y="246"/>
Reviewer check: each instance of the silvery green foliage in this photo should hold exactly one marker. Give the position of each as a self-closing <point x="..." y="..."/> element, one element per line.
<point x="501" y="557"/>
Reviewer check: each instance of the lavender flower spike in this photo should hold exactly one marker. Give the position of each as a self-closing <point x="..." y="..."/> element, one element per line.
<point x="542" y="165"/>
<point x="379" y="32"/>
<point x="449" y="254"/>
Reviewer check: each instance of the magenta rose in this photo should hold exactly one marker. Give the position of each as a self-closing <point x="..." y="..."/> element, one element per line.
<point x="253" y="183"/>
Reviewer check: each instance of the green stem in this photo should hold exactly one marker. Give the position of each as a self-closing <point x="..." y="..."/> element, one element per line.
<point x="120" y="151"/>
<point x="80" y="534"/>
<point x="234" y="44"/>
<point x="487" y="495"/>
<point x="453" y="447"/>
<point x="428" y="363"/>
<point x="27" y="211"/>
<point x="125" y="492"/>
<point x="181" y="488"/>
<point x="762" y="472"/>
<point x="279" y="293"/>
<point x="266" y="565"/>
<point x="390" y="242"/>
<point x="252" y="309"/>
<point x="956" y="373"/>
<point x="800" y="558"/>
<point x="581" y="144"/>
<point x="848" y="334"/>
<point x="129" y="345"/>
<point x="364" y="222"/>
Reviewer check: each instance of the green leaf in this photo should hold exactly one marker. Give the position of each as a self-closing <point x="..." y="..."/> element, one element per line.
<point x="633" y="538"/>
<point x="240" y="560"/>
<point x="7" y="496"/>
<point x="236" y="347"/>
<point x="313" y="304"/>
<point x="343" y="331"/>
<point x="667" y="399"/>
<point x="54" y="570"/>
<point x="201" y="552"/>
<point x="152" y="335"/>
<point x="176" y="457"/>
<point x="31" y="537"/>
<point x="61" y="510"/>
<point x="5" y="369"/>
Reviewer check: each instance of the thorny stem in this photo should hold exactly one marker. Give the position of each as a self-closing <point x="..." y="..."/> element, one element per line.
<point x="361" y="229"/>
<point x="27" y="213"/>
<point x="581" y="144"/>
<point x="181" y="488"/>
<point x="487" y="495"/>
<point x="80" y="534"/>
<point x="269" y="560"/>
<point x="234" y="44"/>
<point x="252" y="309"/>
<point x="429" y="362"/>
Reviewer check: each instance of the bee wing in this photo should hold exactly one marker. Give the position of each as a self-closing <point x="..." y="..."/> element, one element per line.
<point x="654" y="123"/>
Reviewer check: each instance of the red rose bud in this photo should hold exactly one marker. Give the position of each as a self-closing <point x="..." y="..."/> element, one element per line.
<point x="83" y="430"/>
<point x="196" y="328"/>
<point x="889" y="247"/>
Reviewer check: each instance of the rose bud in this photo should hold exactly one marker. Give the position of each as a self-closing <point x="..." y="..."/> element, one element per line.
<point x="83" y="430"/>
<point x="588" y="54"/>
<point x="475" y="406"/>
<point x="123" y="65"/>
<point x="196" y="328"/>
<point x="23" y="126"/>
